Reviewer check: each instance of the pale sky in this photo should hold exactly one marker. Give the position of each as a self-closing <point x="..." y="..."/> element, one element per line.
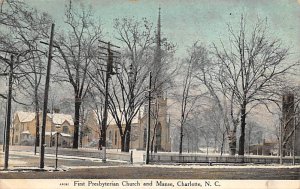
<point x="184" y="22"/>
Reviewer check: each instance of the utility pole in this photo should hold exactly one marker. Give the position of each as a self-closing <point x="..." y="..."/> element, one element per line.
<point x="294" y="139"/>
<point x="42" y="141"/>
<point x="131" y="79"/>
<point x="109" y="72"/>
<point x="149" y="120"/>
<point x="104" y="121"/>
<point x="8" y="114"/>
<point x="280" y="142"/>
<point x="5" y="125"/>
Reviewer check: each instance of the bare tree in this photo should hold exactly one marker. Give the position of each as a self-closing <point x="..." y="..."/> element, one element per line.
<point x="208" y="76"/>
<point x="26" y="27"/>
<point x="78" y="44"/>
<point x="95" y="102"/>
<point x="128" y="86"/>
<point x="251" y="65"/>
<point x="190" y="93"/>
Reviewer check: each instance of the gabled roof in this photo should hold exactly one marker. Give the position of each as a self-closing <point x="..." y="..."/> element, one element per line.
<point x="25" y="116"/>
<point x="57" y="119"/>
<point x="111" y="121"/>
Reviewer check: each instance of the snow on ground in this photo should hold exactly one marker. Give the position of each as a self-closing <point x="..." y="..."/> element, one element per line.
<point x="138" y="162"/>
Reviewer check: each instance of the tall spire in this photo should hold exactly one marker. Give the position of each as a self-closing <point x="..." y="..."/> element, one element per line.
<point x="157" y="58"/>
<point x="158" y="30"/>
<point x="157" y="69"/>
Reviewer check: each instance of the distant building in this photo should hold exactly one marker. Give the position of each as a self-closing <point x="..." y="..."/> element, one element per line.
<point x="288" y="125"/>
<point x="24" y="129"/>
<point x="160" y="134"/>
<point x="159" y="127"/>
<point x="266" y="148"/>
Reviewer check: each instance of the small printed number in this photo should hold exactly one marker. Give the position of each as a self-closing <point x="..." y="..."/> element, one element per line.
<point x="64" y="184"/>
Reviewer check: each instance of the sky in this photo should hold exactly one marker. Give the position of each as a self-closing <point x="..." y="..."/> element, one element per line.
<point x="184" y="22"/>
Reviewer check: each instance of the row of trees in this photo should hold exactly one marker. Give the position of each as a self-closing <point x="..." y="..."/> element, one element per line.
<point x="234" y="77"/>
<point x="79" y="61"/>
<point x="216" y="88"/>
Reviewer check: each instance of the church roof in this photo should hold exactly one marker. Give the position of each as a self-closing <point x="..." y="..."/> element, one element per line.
<point x="111" y="121"/>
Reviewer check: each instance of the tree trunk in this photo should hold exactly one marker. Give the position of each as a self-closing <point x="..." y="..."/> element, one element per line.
<point x="206" y="146"/>
<point x="152" y="140"/>
<point x="127" y="142"/>
<point x="222" y="144"/>
<point x="249" y="141"/>
<point x="181" y="138"/>
<point x="122" y="143"/>
<point x="243" y="125"/>
<point x="80" y="138"/>
<point x="188" y="150"/>
<point x="232" y="142"/>
<point x="37" y="121"/>
<point x="76" y="122"/>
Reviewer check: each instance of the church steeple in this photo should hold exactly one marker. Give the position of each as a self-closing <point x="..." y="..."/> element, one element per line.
<point x="157" y="61"/>
<point x="158" y="37"/>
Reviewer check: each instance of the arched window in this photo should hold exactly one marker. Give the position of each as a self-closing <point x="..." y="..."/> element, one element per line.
<point x="145" y="138"/>
<point x="158" y="136"/>
<point x="116" y="137"/>
<point x="110" y="136"/>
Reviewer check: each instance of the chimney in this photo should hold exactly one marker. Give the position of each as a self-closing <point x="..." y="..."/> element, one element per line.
<point x="56" y="110"/>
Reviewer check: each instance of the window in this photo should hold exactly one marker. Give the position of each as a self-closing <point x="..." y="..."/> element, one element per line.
<point x="110" y="136"/>
<point x="65" y="129"/>
<point x="16" y="139"/>
<point x="116" y="137"/>
<point x="145" y="137"/>
<point x="158" y="137"/>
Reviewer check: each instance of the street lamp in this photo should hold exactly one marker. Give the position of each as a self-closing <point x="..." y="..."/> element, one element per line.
<point x="56" y="150"/>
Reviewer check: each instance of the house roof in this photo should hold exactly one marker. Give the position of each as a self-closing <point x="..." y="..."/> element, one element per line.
<point x="54" y="133"/>
<point x="50" y="133"/>
<point x="25" y="116"/>
<point x="57" y="119"/>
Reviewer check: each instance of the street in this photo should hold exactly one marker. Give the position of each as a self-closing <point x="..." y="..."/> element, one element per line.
<point x="148" y="172"/>
<point x="24" y="165"/>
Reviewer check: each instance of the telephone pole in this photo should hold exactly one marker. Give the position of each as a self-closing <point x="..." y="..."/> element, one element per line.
<point x="149" y="120"/>
<point x="109" y="72"/>
<point x="8" y="114"/>
<point x="5" y="125"/>
<point x="42" y="141"/>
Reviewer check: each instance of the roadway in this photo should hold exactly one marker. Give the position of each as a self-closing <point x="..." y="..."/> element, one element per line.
<point x="25" y="166"/>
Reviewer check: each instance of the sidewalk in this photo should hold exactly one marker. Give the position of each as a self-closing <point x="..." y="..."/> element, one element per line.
<point x="27" y="161"/>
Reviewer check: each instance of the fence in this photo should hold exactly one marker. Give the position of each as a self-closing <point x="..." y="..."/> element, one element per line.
<point x="197" y="158"/>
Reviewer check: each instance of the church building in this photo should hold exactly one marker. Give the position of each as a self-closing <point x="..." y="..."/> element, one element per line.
<point x="159" y="119"/>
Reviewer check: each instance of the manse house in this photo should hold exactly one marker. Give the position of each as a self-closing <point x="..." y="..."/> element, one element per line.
<point x="24" y="129"/>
